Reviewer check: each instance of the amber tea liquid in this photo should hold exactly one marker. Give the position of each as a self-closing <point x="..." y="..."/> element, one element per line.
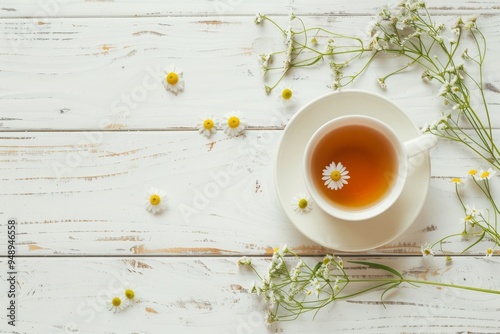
<point x="368" y="156"/>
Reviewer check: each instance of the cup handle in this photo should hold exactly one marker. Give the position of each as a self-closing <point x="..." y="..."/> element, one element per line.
<point x="420" y="144"/>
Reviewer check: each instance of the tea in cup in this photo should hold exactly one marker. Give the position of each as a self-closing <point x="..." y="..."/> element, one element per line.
<point x="355" y="167"/>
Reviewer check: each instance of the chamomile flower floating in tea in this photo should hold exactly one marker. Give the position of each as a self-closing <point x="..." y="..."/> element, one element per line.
<point x="233" y="124"/>
<point x="335" y="176"/>
<point x="173" y="80"/>
<point x="301" y="203"/>
<point x="155" y="200"/>
<point x="115" y="304"/>
<point x="287" y="95"/>
<point x="208" y="126"/>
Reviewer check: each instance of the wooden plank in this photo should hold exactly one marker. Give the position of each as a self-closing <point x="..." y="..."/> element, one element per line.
<point x="61" y="295"/>
<point x="83" y="193"/>
<point x="118" y="8"/>
<point x="104" y="74"/>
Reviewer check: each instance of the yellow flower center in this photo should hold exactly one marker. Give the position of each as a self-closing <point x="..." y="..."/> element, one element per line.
<point x="172" y="78"/>
<point x="485" y="174"/>
<point x="456" y="180"/>
<point x="116" y="301"/>
<point x="233" y="122"/>
<point x="469" y="217"/>
<point x="129" y="294"/>
<point x="489" y="251"/>
<point x="427" y="251"/>
<point x="208" y="124"/>
<point x="286" y="94"/>
<point x="303" y="203"/>
<point x="335" y="175"/>
<point x="472" y="172"/>
<point x="154" y="199"/>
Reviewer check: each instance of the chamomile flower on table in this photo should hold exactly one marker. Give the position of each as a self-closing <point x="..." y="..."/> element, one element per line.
<point x="115" y="303"/>
<point x="233" y="124"/>
<point x="286" y="95"/>
<point x="426" y="250"/>
<point x="155" y="200"/>
<point x="485" y="174"/>
<point x="335" y="176"/>
<point x="129" y="294"/>
<point x="301" y="203"/>
<point x="472" y="173"/>
<point x="208" y="126"/>
<point x="174" y="80"/>
<point x="489" y="252"/>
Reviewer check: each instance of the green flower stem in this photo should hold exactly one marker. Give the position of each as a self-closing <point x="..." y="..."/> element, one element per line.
<point x="417" y="282"/>
<point x="290" y="293"/>
<point x="410" y="31"/>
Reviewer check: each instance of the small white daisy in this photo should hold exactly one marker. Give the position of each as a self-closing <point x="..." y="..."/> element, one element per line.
<point x="301" y="203"/>
<point x="245" y="261"/>
<point x="129" y="294"/>
<point x="173" y="80"/>
<point x="471" y="210"/>
<point x="456" y="180"/>
<point x="426" y="250"/>
<point x="485" y="174"/>
<point x="208" y="126"/>
<point x="115" y="303"/>
<point x="287" y="95"/>
<point x="282" y="250"/>
<point x="489" y="252"/>
<point x="233" y="124"/>
<point x="468" y="219"/>
<point x="335" y="176"/>
<point x="258" y="18"/>
<point x="155" y="200"/>
<point x="472" y="173"/>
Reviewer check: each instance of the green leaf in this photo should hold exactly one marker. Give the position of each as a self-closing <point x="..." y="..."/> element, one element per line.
<point x="379" y="266"/>
<point x="395" y="285"/>
<point x="317" y="267"/>
<point x="475" y="243"/>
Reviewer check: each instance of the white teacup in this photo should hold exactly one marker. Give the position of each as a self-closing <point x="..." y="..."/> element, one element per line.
<point x="374" y="165"/>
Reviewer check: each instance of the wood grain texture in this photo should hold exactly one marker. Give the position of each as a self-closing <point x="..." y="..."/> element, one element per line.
<point x="210" y="295"/>
<point x="214" y="8"/>
<point x="104" y="74"/>
<point x="83" y="193"/>
<point x="86" y="128"/>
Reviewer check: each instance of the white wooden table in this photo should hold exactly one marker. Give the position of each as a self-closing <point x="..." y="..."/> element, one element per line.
<point x="74" y="171"/>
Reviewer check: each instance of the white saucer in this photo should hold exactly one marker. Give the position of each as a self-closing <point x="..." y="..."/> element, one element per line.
<point x="350" y="236"/>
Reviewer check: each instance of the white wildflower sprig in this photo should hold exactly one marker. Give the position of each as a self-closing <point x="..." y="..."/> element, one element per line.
<point x="478" y="224"/>
<point x="406" y="30"/>
<point x="293" y="289"/>
<point x="303" y="48"/>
